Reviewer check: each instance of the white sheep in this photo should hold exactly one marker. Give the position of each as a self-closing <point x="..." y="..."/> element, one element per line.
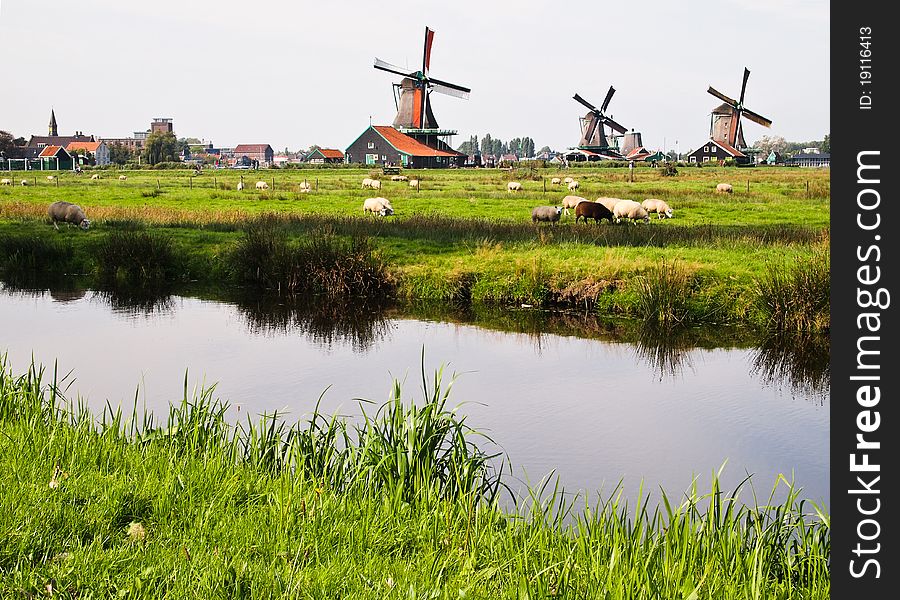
<point x="305" y="188"/>
<point x="67" y="212"/>
<point x="556" y="181"/>
<point x="568" y="180"/>
<point x="513" y="186"/>
<point x="95" y="176"/>
<point x="629" y="209"/>
<point x="122" y="177"/>
<point x="262" y="185"/>
<point x="662" y="210"/>
<point x="573" y="185"/>
<point x="571" y="202"/>
<point x="399" y="178"/>
<point x="50" y="177"/>
<point x="372" y="184"/>
<point x="24" y="182"/>
<point x="5" y="181"/>
<point x="367" y="182"/>
<point x="378" y="206"/>
<point x="414" y="183"/>
<point x="724" y="188"/>
<point x="609" y="202"/>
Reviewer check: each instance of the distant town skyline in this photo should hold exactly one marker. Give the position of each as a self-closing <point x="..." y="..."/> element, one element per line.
<point x="295" y="74"/>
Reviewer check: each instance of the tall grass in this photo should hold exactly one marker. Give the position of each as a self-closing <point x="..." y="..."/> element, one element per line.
<point x="797" y="298"/>
<point x="22" y="256"/>
<point x="664" y="296"/>
<point x="136" y="257"/>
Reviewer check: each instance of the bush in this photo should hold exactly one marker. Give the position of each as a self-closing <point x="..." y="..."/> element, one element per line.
<point x="668" y="170"/>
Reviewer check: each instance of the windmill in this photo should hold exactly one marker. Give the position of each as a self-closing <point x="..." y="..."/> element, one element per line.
<point x="593" y="135"/>
<point x="725" y="122"/>
<point x="414" y="91"/>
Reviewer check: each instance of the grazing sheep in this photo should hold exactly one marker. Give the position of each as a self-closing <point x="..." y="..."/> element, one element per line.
<point x="724" y="188"/>
<point x="568" y="180"/>
<point x="50" y="177"/>
<point x="122" y="177"/>
<point x="571" y="202"/>
<point x="573" y="185"/>
<point x="95" y="176"/>
<point x="305" y="188"/>
<point x="262" y="185"/>
<point x="414" y="183"/>
<point x="513" y="186"/>
<point x="5" y="181"/>
<point x="592" y="210"/>
<point x="556" y="181"/>
<point x="399" y="178"/>
<point x="652" y="205"/>
<point x="373" y="184"/>
<point x="378" y="206"/>
<point x="66" y="212"/>
<point x="608" y="202"/>
<point x="24" y="182"/>
<point x="366" y="182"/>
<point x="629" y="209"/>
<point x="547" y="214"/>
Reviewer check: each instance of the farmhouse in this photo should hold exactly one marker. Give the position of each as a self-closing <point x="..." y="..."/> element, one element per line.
<point x="261" y="153"/>
<point x="95" y="152"/>
<point x="812" y="159"/>
<point x="324" y="155"/>
<point x="715" y="151"/>
<point x="383" y="145"/>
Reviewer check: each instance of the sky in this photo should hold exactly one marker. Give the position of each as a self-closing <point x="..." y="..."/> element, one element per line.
<point x="297" y="73"/>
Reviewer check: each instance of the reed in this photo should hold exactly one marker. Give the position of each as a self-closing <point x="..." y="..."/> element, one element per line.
<point x="797" y="298"/>
<point x="136" y="257"/>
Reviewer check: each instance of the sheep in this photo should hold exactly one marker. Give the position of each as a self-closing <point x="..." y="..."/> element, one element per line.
<point x="724" y="188"/>
<point x="240" y="185"/>
<point x="556" y="181"/>
<point x="378" y="206"/>
<point x="366" y="182"/>
<point x="568" y="180"/>
<point x="608" y="202"/>
<point x="262" y="185"/>
<point x="24" y="182"/>
<point x="513" y="186"/>
<point x="50" y="177"/>
<point x="67" y="212"/>
<point x="629" y="209"/>
<point x="414" y="183"/>
<point x="547" y="214"/>
<point x="305" y="188"/>
<point x="373" y="184"/>
<point x="399" y="178"/>
<point x="95" y="176"/>
<point x="652" y="205"/>
<point x="573" y="185"/>
<point x="592" y="210"/>
<point x="571" y="202"/>
<point x="5" y="181"/>
<point x="122" y="177"/>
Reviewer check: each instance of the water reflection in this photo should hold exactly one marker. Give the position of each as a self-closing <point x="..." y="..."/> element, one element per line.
<point x="137" y="301"/>
<point x="801" y="362"/>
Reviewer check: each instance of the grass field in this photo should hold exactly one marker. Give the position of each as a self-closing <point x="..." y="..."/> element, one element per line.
<point x="462" y="236"/>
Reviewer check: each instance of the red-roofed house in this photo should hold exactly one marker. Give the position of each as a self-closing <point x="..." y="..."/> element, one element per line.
<point x="383" y="145"/>
<point x="95" y="152"/>
<point x="261" y="153"/>
<point x="55" y="158"/>
<point x="715" y="151"/>
<point x="324" y="155"/>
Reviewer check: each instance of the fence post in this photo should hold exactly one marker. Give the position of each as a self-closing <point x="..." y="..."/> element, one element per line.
<point x="317" y="184"/>
<point x="192" y="181"/>
<point x="157" y="185"/>
<point x="807" y="188"/>
<point x="273" y="183"/>
<point x="215" y="183"/>
<point x="748" y="186"/>
<point x="57" y="182"/>
<point x="544" y="183"/>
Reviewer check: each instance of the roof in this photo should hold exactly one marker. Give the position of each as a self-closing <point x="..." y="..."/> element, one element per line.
<point x="51" y="151"/>
<point x="88" y="146"/>
<point x="723" y="109"/>
<point x="407" y="144"/>
<point x="57" y="140"/>
<point x="331" y="153"/>
<point x="254" y="148"/>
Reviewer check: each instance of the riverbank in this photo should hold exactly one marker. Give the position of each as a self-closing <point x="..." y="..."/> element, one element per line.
<point x="193" y="507"/>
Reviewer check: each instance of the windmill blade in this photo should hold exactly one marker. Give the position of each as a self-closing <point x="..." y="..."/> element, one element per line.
<point x="447" y="84"/>
<point x="614" y="126"/>
<point x="384" y="66"/>
<point x="591" y="127"/>
<point x="756" y="118"/>
<point x="744" y="85"/>
<point x="721" y="96"/>
<point x="426" y="54"/>
<point x="440" y="88"/>
<point x="590" y="106"/>
<point x="606" y="100"/>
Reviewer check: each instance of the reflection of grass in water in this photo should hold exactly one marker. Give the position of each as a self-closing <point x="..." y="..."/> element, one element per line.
<point x="666" y="351"/>
<point x="799" y="360"/>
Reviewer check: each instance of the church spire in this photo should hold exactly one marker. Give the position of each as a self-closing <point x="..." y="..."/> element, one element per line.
<point x="53" y="123"/>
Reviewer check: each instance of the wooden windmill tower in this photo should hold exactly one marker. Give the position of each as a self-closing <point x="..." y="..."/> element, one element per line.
<point x="412" y="94"/>
<point x="593" y="124"/>
<point x="725" y="121"/>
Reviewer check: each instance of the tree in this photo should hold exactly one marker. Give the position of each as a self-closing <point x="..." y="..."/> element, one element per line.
<point x="487" y="144"/>
<point x="161" y="147"/>
<point x="119" y="154"/>
<point x="7" y="141"/>
<point x="767" y="144"/>
<point x="826" y="143"/>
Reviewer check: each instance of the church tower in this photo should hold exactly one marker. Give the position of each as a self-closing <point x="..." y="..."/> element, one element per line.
<point x="53" y="123"/>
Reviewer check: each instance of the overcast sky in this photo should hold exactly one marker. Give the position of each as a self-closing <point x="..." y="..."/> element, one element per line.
<point x="296" y="73"/>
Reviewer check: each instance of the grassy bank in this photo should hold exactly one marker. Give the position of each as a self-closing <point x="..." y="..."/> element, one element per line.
<point x="399" y="505"/>
<point x="462" y="237"/>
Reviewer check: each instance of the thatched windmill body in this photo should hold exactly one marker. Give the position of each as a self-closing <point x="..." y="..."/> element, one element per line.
<point x="725" y="121"/>
<point x="593" y="124"/>
<point x="412" y="94"/>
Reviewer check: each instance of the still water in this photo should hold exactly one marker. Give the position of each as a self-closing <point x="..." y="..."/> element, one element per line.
<point x="590" y="408"/>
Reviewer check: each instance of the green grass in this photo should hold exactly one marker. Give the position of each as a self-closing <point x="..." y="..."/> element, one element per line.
<point x="464" y="238"/>
<point x="396" y="506"/>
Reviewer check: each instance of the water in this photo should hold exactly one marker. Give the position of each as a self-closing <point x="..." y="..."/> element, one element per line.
<point x="574" y="401"/>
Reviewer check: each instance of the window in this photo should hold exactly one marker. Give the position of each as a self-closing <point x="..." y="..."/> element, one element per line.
<point x="694" y="159"/>
<point x="383" y="158"/>
<point x="371" y="145"/>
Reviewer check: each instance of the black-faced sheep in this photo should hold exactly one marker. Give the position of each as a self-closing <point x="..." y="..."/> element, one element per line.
<point x="378" y="206"/>
<point x="5" y="181"/>
<point x="629" y="209"/>
<point x="724" y="188"/>
<point x="592" y="210"/>
<point x="122" y="177"/>
<point x="547" y="214"/>
<point x="663" y="211"/>
<point x="305" y="187"/>
<point x="66" y="212"/>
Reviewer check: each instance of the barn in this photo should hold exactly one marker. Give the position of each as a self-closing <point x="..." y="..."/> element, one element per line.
<point x="55" y="158"/>
<point x="384" y="145"/>
<point x="324" y="156"/>
<point x="714" y="151"/>
<point x="261" y="154"/>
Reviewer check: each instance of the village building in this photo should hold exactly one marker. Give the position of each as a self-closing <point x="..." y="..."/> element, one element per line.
<point x="260" y="154"/>
<point x="812" y="159"/>
<point x="715" y="151"/>
<point x="55" y="158"/>
<point x="96" y="153"/>
<point x="383" y="145"/>
<point x="324" y="156"/>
